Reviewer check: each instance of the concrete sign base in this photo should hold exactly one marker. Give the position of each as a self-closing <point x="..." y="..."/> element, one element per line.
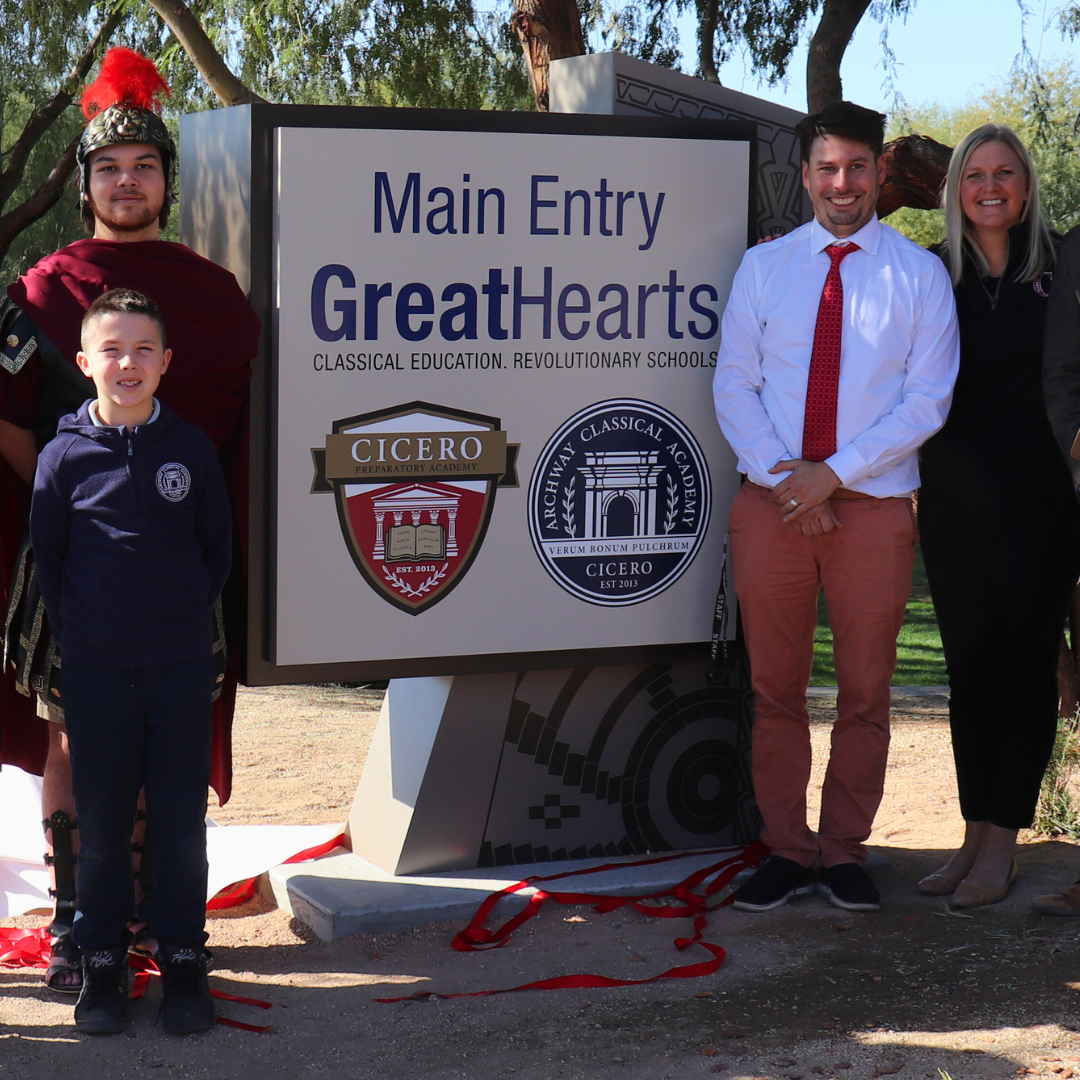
<point x="530" y="767"/>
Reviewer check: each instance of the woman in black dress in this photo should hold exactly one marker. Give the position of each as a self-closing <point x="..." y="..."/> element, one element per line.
<point x="999" y="519"/>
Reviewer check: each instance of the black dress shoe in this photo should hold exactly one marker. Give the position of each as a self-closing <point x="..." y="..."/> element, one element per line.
<point x="850" y="887"/>
<point x="777" y="881"/>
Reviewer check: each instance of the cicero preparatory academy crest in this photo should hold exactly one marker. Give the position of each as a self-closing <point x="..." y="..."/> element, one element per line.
<point x="619" y="502"/>
<point x="415" y="487"/>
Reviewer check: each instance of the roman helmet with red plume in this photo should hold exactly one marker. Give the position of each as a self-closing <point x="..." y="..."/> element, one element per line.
<point x="123" y="105"/>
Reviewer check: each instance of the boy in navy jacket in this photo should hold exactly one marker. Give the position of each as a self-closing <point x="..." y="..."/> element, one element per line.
<point x="130" y="525"/>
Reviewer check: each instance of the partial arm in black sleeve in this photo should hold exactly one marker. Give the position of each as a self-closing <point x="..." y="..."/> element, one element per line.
<point x="1061" y="353"/>
<point x="50" y="523"/>
<point x="214" y="524"/>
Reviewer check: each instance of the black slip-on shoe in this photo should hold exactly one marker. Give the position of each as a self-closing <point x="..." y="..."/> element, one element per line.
<point x="187" y="1005"/>
<point x="777" y="881"/>
<point x="850" y="887"/>
<point x="102" y="1005"/>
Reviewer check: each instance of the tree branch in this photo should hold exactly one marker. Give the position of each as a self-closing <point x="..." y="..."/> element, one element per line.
<point x="40" y="202"/>
<point x="203" y="53"/>
<point x="708" y="15"/>
<point x="838" y="21"/>
<point x="41" y="119"/>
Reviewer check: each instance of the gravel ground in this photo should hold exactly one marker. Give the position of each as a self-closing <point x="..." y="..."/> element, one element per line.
<point x="807" y="991"/>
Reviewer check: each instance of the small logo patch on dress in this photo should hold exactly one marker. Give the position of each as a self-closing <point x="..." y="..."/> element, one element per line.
<point x="173" y="481"/>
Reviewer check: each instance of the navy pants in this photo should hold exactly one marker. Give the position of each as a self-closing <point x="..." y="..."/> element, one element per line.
<point x="130" y="728"/>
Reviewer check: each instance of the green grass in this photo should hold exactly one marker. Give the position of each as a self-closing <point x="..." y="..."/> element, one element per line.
<point x="919" y="661"/>
<point x="1057" y="813"/>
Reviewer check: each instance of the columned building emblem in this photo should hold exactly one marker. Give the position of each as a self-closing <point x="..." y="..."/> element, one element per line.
<point x="415" y="487"/>
<point x="619" y="502"/>
<point x="620" y="493"/>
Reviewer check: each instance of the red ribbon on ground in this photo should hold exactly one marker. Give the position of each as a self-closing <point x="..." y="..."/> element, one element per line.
<point x="24" y="948"/>
<point x="31" y="949"/>
<point x="690" y="904"/>
<point x="242" y="891"/>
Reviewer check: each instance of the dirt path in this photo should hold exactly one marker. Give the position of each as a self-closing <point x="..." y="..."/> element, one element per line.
<point x="807" y="991"/>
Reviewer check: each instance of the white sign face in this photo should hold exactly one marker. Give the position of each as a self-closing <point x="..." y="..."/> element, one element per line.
<point x="495" y="430"/>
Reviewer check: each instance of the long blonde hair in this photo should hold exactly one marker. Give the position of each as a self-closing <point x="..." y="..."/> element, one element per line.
<point x="1039" y="256"/>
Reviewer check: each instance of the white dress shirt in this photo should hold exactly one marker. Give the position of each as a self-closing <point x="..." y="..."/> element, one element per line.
<point x="900" y="351"/>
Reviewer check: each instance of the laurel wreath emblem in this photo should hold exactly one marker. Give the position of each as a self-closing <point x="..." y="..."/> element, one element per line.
<point x="424" y="587"/>
<point x="568" y="507"/>
<point x="672" y="505"/>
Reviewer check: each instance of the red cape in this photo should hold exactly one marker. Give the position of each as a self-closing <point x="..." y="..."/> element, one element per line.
<point x="213" y="331"/>
<point x="214" y="335"/>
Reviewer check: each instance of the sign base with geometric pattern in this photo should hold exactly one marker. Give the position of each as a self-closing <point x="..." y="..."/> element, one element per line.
<point x="531" y="767"/>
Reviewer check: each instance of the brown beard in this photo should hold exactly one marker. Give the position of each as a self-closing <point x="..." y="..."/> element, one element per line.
<point x="150" y="214"/>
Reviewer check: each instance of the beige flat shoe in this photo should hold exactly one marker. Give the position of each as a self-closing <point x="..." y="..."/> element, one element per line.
<point x="1066" y="903"/>
<point x="973" y="896"/>
<point x="940" y="883"/>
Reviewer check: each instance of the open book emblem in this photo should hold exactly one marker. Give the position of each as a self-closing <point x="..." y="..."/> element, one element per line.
<point x="415" y="487"/>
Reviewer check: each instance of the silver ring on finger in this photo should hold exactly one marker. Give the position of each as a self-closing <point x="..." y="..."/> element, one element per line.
<point x="793" y="503"/>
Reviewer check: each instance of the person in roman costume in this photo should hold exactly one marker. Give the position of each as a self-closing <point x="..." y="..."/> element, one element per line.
<point x="126" y="172"/>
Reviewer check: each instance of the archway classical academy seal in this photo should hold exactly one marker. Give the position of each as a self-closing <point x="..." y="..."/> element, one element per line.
<point x="619" y="502"/>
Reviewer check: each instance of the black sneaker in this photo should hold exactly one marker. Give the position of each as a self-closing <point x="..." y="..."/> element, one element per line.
<point x="102" y="1005"/>
<point x="777" y="881"/>
<point x="186" y="1003"/>
<point x="850" y="887"/>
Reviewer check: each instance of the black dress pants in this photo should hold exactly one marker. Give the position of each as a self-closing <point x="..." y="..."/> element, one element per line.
<point x="1001" y="576"/>
<point x="129" y="728"/>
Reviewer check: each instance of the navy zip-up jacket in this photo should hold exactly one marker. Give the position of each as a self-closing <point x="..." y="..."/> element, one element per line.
<point x="132" y="540"/>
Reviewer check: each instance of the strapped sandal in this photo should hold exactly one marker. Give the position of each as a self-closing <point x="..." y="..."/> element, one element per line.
<point x="66" y="956"/>
<point x="66" y="960"/>
<point x="139" y="939"/>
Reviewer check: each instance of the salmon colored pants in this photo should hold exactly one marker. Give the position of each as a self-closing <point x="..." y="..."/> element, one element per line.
<point x="865" y="570"/>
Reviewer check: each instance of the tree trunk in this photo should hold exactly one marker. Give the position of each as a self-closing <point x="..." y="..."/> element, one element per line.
<point x="548" y="30"/>
<point x="187" y="29"/>
<point x="708" y="14"/>
<point x="915" y="168"/>
<point x="838" y="21"/>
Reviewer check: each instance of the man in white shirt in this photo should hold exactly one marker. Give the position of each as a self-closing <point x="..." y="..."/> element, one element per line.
<point x="838" y="356"/>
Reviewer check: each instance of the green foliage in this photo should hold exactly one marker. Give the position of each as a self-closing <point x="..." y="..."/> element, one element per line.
<point x="350" y="52"/>
<point x="925" y="227"/>
<point x="647" y="32"/>
<point x="61" y="225"/>
<point x="1057" y="813"/>
<point x="358" y="52"/>
<point x="37" y="49"/>
<point x="1042" y="108"/>
<point x="766" y="32"/>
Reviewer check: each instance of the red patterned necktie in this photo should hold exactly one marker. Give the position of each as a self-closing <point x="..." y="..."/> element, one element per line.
<point x="819" y="424"/>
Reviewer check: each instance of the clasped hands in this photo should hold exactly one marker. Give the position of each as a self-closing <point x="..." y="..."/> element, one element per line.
<point x="804" y="496"/>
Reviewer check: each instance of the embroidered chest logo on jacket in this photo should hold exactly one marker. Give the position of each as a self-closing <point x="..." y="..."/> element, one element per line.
<point x="173" y="481"/>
